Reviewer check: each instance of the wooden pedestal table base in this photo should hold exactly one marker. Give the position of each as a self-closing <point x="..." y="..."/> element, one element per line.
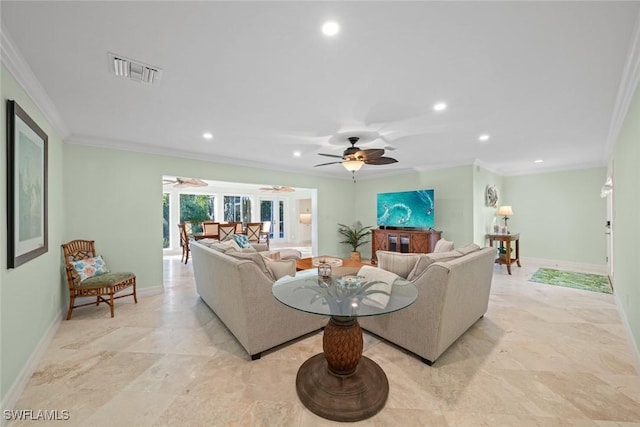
<point x="341" y="384"/>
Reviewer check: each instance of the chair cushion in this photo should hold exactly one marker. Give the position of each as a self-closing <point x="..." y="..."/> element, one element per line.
<point x="107" y="279"/>
<point x="443" y="245"/>
<point x="90" y="267"/>
<point x="242" y="240"/>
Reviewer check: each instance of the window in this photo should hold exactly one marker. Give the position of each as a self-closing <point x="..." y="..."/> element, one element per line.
<point x="165" y="220"/>
<point x="197" y="208"/>
<point x="237" y="208"/>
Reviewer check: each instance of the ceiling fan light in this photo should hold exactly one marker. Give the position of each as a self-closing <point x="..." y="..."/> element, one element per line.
<point x="352" y="165"/>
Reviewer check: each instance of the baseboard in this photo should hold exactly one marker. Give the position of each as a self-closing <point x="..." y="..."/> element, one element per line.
<point x="635" y="350"/>
<point x="16" y="389"/>
<point x="567" y="265"/>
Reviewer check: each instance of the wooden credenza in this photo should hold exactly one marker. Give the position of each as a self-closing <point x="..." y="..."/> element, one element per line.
<point x="405" y="241"/>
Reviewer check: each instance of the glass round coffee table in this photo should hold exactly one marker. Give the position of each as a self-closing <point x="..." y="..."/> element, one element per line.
<point x="341" y="384"/>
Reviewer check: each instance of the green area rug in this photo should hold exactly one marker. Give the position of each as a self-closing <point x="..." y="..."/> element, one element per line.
<point x="571" y="279"/>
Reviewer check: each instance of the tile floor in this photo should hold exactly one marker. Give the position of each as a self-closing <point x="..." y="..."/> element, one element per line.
<point x="541" y="356"/>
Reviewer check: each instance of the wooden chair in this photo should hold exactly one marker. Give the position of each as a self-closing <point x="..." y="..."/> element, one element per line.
<point x="184" y="242"/>
<point x="99" y="286"/>
<point x="211" y="229"/>
<point x="226" y="230"/>
<point x="266" y="231"/>
<point x="189" y="228"/>
<point x="238" y="227"/>
<point x="253" y="231"/>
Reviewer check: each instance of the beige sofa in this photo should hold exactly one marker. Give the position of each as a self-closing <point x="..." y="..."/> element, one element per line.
<point x="453" y="293"/>
<point x="238" y="290"/>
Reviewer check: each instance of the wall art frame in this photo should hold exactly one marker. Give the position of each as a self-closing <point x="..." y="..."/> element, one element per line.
<point x="27" y="187"/>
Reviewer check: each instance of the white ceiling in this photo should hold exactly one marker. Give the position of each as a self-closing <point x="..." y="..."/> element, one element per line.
<point x="542" y="78"/>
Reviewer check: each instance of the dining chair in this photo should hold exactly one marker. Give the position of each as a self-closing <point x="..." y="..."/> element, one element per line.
<point x="184" y="242"/>
<point x="227" y="230"/>
<point x="211" y="229"/>
<point x="253" y="230"/>
<point x="88" y="276"/>
<point x="265" y="232"/>
<point x="238" y="227"/>
<point x="189" y="227"/>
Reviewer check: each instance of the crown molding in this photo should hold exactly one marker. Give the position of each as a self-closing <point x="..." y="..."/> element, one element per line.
<point x="11" y="58"/>
<point x="626" y="90"/>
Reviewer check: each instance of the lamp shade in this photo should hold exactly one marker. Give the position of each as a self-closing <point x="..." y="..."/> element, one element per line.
<point x="505" y="211"/>
<point x="352" y="165"/>
<point x="305" y="218"/>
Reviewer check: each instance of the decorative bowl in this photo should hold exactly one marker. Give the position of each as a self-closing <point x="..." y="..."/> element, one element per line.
<point x="350" y="281"/>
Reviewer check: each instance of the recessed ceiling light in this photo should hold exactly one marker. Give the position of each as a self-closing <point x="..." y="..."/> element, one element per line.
<point x="207" y="135"/>
<point x="538" y="161"/>
<point x="297" y="154"/>
<point x="330" y="28"/>
<point x="440" y="106"/>
<point x="483" y="137"/>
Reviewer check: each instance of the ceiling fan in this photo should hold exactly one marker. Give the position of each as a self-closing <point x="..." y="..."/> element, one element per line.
<point x="353" y="157"/>
<point x="277" y="189"/>
<point x="185" y="182"/>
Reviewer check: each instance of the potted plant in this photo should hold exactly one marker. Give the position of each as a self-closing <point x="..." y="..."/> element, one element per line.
<point x="355" y="236"/>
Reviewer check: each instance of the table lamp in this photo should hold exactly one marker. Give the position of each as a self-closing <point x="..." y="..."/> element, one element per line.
<point x="505" y="211"/>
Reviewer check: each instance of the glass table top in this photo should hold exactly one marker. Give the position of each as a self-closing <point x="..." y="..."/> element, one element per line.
<point x="347" y="296"/>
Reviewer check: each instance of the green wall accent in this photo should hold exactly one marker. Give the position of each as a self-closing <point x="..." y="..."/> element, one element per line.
<point x="559" y="215"/>
<point x="30" y="295"/>
<point x="625" y="223"/>
<point x="453" y="193"/>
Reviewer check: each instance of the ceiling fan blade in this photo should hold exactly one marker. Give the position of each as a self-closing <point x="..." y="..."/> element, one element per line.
<point x="370" y="153"/>
<point x="380" y="161"/>
<point x="330" y="163"/>
<point x="330" y="155"/>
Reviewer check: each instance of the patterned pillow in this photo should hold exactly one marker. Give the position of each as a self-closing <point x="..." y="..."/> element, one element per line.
<point x="242" y="240"/>
<point x="90" y="267"/>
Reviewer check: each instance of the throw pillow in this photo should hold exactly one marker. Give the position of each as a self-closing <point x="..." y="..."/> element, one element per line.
<point x="90" y="267"/>
<point x="274" y="255"/>
<point x="465" y="250"/>
<point x="398" y="263"/>
<point x="280" y="268"/>
<point x="242" y="240"/>
<point x="253" y="256"/>
<point x="443" y="245"/>
<point x="427" y="259"/>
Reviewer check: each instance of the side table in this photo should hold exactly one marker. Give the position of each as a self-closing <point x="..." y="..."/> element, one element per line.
<point x="504" y="243"/>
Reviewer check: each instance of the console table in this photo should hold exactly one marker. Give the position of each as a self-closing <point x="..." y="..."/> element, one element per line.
<point x="341" y="384"/>
<point x="504" y="243"/>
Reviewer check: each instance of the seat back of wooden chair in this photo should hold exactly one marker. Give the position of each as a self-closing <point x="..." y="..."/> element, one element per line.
<point x="210" y="228"/>
<point x="76" y="250"/>
<point x="266" y="231"/>
<point x="226" y="230"/>
<point x="253" y="231"/>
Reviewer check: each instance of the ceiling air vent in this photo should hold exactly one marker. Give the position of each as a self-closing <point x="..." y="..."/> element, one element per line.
<point x="134" y="70"/>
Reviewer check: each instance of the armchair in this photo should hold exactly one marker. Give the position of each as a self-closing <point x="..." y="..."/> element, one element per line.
<point x="87" y="276"/>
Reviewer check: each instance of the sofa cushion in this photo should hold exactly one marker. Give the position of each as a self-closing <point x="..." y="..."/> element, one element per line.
<point x="226" y="246"/>
<point x="465" y="250"/>
<point x="427" y="259"/>
<point x="398" y="263"/>
<point x="253" y="256"/>
<point x="443" y="245"/>
<point x="280" y="267"/>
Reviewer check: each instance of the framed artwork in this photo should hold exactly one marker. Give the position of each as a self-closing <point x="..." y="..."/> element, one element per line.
<point x="491" y="196"/>
<point x="27" y="164"/>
